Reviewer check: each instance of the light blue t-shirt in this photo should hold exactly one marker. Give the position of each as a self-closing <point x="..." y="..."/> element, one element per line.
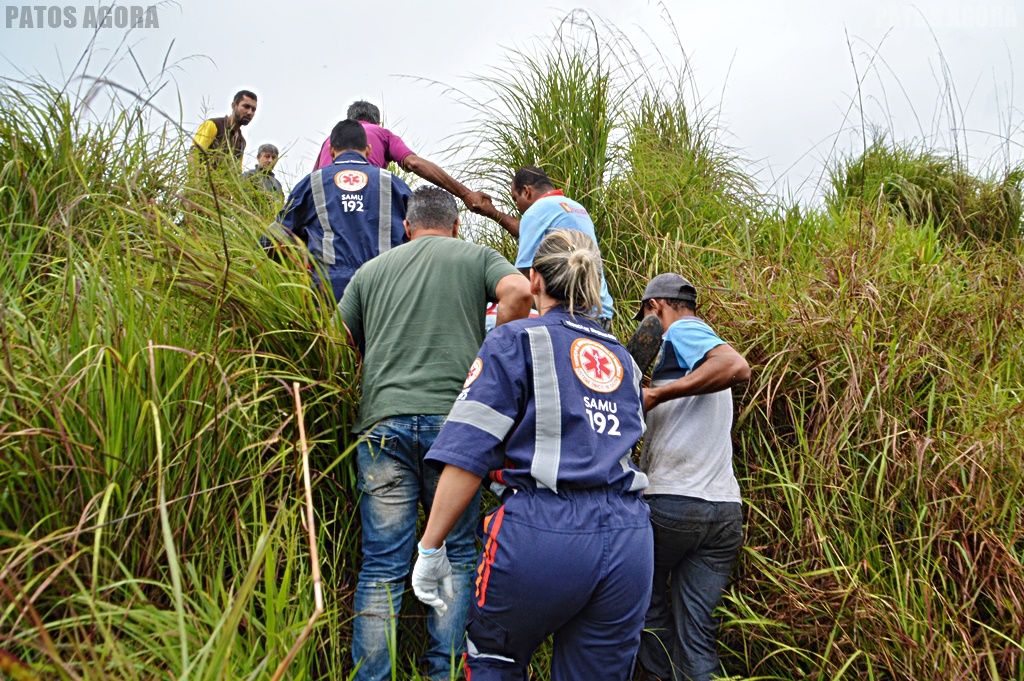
<point x="691" y="339"/>
<point x="556" y="211"/>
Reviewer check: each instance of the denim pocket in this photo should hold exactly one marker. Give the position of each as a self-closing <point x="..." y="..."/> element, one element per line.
<point x="732" y="534"/>
<point x="675" y="524"/>
<point x="377" y="469"/>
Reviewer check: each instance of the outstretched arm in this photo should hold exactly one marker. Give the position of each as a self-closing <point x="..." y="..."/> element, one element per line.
<point x="435" y="174"/>
<point x="489" y="211"/>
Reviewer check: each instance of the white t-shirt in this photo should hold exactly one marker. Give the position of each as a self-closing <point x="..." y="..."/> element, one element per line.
<point x="688" y="446"/>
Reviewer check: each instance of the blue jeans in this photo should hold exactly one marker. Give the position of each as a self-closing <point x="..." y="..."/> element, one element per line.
<point x="393" y="480"/>
<point x="696" y="543"/>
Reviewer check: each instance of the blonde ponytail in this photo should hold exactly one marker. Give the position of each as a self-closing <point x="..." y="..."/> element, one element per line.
<point x="570" y="265"/>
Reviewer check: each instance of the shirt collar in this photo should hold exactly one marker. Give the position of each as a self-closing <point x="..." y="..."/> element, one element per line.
<point x="553" y="192"/>
<point x="350" y="156"/>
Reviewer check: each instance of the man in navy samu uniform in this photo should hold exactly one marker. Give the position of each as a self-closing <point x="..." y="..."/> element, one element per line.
<point x="551" y="409"/>
<point x="348" y="212"/>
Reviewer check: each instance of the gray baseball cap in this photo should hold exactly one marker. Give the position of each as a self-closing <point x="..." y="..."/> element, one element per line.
<point x="668" y="285"/>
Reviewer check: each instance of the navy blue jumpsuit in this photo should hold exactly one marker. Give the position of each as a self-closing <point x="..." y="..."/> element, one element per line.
<point x="346" y="213"/>
<point x="551" y="409"/>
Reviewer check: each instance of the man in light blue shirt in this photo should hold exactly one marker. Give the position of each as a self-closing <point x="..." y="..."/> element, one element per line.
<point x="693" y="494"/>
<point x="544" y="208"/>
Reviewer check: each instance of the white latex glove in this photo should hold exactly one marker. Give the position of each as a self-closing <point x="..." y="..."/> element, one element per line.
<point x="433" y="573"/>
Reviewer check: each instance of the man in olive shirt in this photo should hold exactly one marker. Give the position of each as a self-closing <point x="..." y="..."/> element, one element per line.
<point x="416" y="315"/>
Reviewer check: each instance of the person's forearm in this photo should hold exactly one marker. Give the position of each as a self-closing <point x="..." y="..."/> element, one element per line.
<point x="513" y="309"/>
<point x="507" y="222"/>
<point x="433" y="173"/>
<point x="716" y="373"/>
<point x="514" y="299"/>
<point x="454" y="491"/>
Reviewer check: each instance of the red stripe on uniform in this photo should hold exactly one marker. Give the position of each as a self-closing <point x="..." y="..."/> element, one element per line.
<point x="483" y="572"/>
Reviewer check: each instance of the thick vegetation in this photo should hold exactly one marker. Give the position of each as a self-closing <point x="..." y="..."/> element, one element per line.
<point x="150" y="501"/>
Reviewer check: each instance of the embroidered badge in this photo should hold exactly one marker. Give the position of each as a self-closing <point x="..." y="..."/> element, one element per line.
<point x="474" y="372"/>
<point x="350" y="180"/>
<point x="596" y="366"/>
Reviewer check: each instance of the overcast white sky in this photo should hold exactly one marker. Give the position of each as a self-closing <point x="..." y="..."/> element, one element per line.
<point x="781" y="71"/>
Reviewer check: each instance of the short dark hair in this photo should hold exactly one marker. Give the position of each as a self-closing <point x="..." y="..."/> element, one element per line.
<point x="268" y="149"/>
<point x="431" y="208"/>
<point x="679" y="304"/>
<point x="348" y="134"/>
<point x="363" y="111"/>
<point x="243" y="93"/>
<point x="531" y="176"/>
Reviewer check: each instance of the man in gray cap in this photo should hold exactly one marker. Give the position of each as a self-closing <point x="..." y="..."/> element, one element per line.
<point x="693" y="493"/>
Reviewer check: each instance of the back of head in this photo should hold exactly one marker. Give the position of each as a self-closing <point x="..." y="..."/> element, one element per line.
<point x="531" y="176"/>
<point x="363" y="111"/>
<point x="431" y="208"/>
<point x="570" y="265"/>
<point x="348" y="134"/>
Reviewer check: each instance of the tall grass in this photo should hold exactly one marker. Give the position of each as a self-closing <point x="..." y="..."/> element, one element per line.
<point x="151" y="507"/>
<point x="150" y="513"/>
<point x="878" y="443"/>
<point x="925" y="186"/>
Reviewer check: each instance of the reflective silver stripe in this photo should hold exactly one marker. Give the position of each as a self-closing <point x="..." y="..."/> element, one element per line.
<point x="316" y="183"/>
<point x="638" y="376"/>
<point x="479" y="415"/>
<point x="384" y="228"/>
<point x="472" y="651"/>
<point x="640" y="480"/>
<point x="547" y="408"/>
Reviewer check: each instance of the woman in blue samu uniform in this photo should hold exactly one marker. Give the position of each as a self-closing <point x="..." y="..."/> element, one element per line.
<point x="551" y="409"/>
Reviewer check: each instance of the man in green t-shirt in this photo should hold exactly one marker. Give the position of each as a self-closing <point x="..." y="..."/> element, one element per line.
<point x="416" y="315"/>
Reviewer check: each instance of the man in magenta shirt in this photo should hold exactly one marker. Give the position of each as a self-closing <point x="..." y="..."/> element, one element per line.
<point x="386" y="146"/>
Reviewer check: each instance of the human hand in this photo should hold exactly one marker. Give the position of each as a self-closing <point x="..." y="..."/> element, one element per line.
<point x="476" y="200"/>
<point x="432" y="577"/>
<point x="651" y="399"/>
<point x="485" y="207"/>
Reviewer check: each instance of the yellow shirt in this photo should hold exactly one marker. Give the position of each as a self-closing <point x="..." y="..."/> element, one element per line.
<point x="205" y="134"/>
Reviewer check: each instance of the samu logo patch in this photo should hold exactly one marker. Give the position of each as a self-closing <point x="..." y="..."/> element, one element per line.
<point x="595" y="365"/>
<point x="351" y="180"/>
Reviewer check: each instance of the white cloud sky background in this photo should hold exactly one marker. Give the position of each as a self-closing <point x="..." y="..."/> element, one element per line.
<point x="780" y="72"/>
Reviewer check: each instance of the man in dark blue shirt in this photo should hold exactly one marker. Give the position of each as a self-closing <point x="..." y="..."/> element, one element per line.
<point x="347" y="212"/>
